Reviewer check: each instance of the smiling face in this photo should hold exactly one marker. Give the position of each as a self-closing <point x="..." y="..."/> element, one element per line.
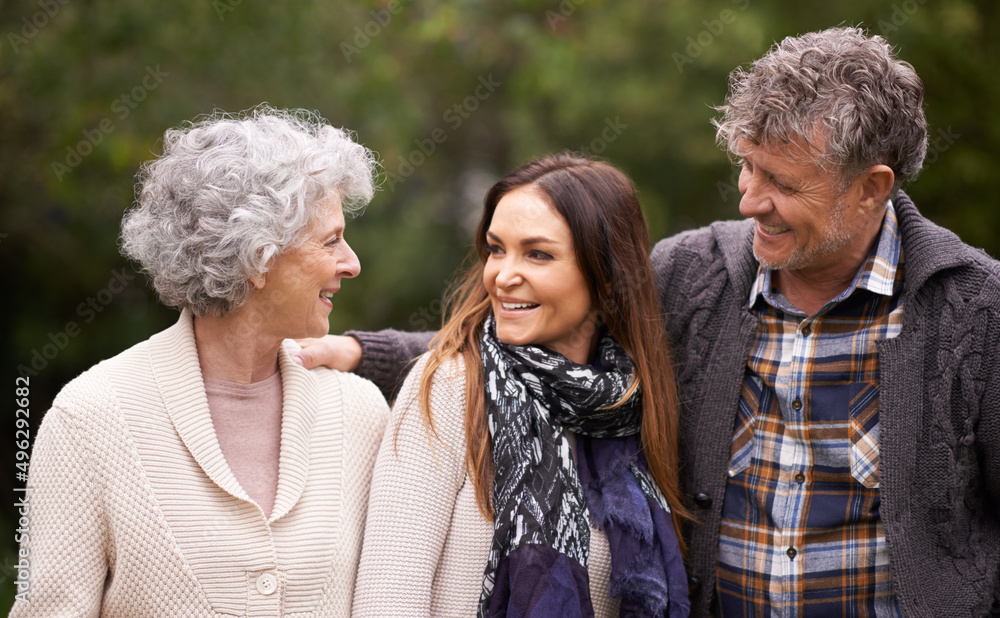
<point x="803" y="220"/>
<point x="538" y="292"/>
<point x="295" y="299"/>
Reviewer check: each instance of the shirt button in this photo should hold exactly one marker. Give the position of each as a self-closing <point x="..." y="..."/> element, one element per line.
<point x="797" y="404"/>
<point x="800" y="478"/>
<point x="791" y="552"/>
<point x="267" y="583"/>
<point x="702" y="501"/>
<point x="806" y="331"/>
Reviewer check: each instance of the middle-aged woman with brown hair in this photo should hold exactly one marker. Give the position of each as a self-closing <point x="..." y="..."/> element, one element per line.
<point x="203" y="472"/>
<point x="533" y="452"/>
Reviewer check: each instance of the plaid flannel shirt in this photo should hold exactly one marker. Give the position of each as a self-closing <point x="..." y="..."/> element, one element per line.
<point x="801" y="533"/>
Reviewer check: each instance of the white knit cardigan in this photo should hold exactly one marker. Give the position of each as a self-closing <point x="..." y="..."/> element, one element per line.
<point x="425" y="541"/>
<point x="134" y="511"/>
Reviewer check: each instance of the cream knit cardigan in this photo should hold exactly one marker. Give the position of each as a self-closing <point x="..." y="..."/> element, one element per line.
<point x="425" y="541"/>
<point x="134" y="511"/>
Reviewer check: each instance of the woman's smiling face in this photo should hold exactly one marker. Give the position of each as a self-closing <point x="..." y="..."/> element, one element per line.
<point x="539" y="294"/>
<point x="296" y="298"/>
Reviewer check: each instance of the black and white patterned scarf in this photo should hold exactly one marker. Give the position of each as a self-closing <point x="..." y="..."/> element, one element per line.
<point x="533" y="396"/>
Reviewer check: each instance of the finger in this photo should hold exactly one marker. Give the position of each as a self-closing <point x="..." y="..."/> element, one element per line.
<point x="311" y="356"/>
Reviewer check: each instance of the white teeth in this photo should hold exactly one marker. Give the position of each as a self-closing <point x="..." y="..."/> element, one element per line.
<point x="771" y="229"/>
<point x="513" y="306"/>
<point x="328" y="295"/>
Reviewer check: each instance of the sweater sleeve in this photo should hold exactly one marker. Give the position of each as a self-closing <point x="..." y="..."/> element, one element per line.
<point x="64" y="543"/>
<point x="387" y="356"/>
<point x="989" y="422"/>
<point x="990" y="433"/>
<point x="413" y="494"/>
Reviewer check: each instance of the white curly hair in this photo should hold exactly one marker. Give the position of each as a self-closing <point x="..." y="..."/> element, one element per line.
<point x="232" y="192"/>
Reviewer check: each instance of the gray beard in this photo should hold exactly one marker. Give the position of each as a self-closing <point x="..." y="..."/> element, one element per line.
<point x="837" y="237"/>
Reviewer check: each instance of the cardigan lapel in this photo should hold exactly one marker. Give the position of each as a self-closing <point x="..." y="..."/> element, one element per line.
<point x="174" y="359"/>
<point x="927" y="247"/>
<point x="736" y="244"/>
<point x="300" y="403"/>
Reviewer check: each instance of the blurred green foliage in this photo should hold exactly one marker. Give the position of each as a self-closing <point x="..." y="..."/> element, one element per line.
<point x="452" y="94"/>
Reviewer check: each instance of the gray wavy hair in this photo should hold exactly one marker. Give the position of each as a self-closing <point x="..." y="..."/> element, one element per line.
<point x="868" y="103"/>
<point x="232" y="192"/>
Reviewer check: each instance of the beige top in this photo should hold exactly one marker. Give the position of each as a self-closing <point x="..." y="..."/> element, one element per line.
<point x="135" y="512"/>
<point x="247" y="422"/>
<point x="425" y="541"/>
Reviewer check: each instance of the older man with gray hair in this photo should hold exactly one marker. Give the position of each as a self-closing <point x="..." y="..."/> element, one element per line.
<point x="836" y="353"/>
<point x="856" y="343"/>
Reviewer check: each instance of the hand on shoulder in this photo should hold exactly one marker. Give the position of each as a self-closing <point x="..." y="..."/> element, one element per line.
<point x="339" y="352"/>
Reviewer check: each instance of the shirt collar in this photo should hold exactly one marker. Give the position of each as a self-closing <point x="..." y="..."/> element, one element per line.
<point x="878" y="274"/>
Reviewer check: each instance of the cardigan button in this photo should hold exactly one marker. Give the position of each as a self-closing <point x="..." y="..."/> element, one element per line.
<point x="267" y="583"/>
<point x="702" y="500"/>
<point x="693" y="582"/>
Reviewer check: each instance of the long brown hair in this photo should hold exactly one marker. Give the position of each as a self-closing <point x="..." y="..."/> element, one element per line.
<point x="611" y="242"/>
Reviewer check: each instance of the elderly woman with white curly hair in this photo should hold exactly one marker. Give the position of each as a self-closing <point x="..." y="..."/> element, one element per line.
<point x="203" y="472"/>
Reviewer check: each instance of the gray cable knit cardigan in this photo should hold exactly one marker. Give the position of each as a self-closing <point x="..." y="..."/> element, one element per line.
<point x="939" y="412"/>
